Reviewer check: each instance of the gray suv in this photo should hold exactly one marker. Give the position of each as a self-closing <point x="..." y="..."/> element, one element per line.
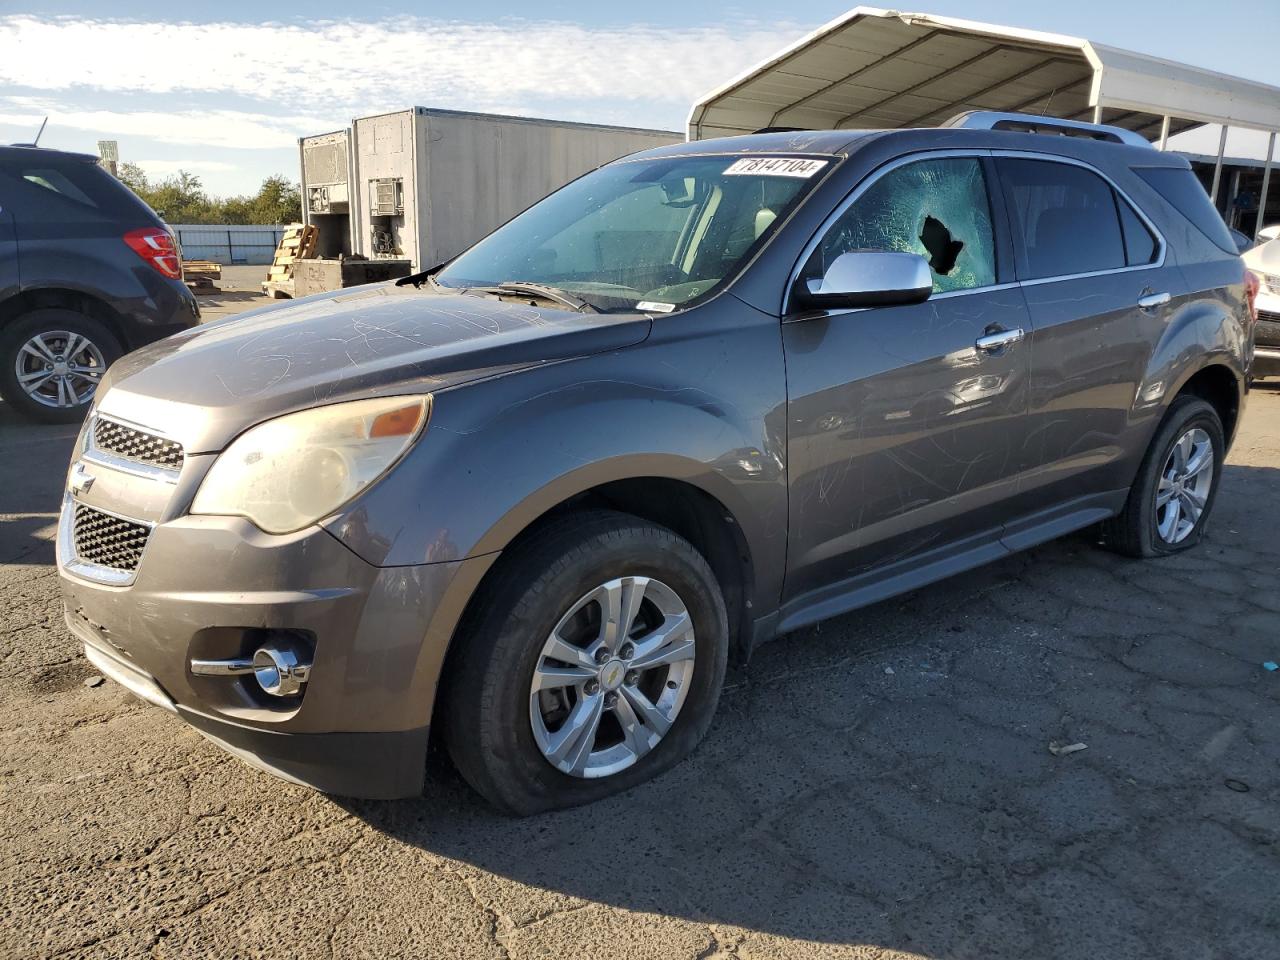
<point x="534" y="500"/>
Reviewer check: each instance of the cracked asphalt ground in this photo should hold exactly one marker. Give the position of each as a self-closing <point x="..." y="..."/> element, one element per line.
<point x="837" y="809"/>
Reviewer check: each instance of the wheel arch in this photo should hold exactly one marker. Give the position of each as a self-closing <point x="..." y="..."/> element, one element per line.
<point x="681" y="506"/>
<point x="1218" y="385"/>
<point x="64" y="298"/>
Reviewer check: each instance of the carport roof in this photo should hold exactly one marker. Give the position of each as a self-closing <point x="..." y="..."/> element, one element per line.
<point x="879" y="69"/>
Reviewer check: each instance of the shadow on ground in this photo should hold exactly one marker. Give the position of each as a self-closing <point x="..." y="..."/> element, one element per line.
<point x="31" y="495"/>
<point x="885" y="778"/>
<point x="223" y="297"/>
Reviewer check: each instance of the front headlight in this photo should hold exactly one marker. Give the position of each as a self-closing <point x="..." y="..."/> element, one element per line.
<point x="292" y="471"/>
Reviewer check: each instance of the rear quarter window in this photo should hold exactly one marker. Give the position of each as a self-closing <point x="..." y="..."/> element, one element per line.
<point x="1185" y="194"/>
<point x="50" y="190"/>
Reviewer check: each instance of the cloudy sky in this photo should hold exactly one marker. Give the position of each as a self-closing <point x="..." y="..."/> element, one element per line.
<point x="227" y="97"/>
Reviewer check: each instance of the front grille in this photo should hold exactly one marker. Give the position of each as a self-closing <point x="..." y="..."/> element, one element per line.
<point x="106" y="540"/>
<point x="137" y="445"/>
<point x="1268" y="316"/>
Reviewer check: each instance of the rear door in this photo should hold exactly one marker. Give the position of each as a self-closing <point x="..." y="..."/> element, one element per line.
<point x="10" y="279"/>
<point x="904" y="436"/>
<point x="1090" y="267"/>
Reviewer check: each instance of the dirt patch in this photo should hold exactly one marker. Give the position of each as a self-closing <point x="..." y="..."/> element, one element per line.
<point x="61" y="677"/>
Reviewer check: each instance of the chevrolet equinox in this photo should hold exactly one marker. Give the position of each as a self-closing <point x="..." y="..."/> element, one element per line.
<point x="532" y="501"/>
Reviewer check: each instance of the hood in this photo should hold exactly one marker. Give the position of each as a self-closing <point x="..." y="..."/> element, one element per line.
<point x="206" y="385"/>
<point x="1264" y="258"/>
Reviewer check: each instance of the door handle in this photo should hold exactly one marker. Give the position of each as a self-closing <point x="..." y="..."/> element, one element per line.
<point x="1153" y="300"/>
<point x="995" y="342"/>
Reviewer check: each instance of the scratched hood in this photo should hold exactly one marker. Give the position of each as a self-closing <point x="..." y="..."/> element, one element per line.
<point x="206" y="385"/>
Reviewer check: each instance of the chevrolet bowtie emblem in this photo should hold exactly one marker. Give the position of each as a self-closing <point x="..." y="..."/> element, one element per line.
<point x="81" y="479"/>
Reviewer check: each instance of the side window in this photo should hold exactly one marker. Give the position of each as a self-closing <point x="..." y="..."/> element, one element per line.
<point x="1064" y="218"/>
<point x="936" y="208"/>
<point x="1139" y="244"/>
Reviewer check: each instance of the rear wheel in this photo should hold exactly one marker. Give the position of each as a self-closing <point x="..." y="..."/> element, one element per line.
<point x="1170" y="501"/>
<point x="594" y="662"/>
<point x="51" y="361"/>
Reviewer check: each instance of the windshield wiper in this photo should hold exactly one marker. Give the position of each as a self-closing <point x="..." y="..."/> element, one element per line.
<point x="554" y="294"/>
<point x="417" y="279"/>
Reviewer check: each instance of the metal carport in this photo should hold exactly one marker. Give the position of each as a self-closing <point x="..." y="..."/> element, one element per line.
<point x="880" y="69"/>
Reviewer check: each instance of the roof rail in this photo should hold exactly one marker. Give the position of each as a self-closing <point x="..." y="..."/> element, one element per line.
<point x="1031" y="123"/>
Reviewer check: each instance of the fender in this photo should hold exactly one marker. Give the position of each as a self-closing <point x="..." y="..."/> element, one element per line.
<point x="137" y="295"/>
<point x="1204" y="331"/>
<point x="699" y="404"/>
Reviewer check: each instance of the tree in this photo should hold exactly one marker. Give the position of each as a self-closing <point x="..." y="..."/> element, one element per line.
<point x="181" y="198"/>
<point x="278" y="201"/>
<point x="133" y="177"/>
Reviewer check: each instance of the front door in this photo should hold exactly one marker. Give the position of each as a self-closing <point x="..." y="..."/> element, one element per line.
<point x="905" y="431"/>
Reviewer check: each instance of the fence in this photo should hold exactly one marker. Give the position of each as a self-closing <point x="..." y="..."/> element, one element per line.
<point x="228" y="244"/>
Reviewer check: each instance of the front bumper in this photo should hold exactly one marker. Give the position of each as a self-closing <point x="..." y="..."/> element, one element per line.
<point x="1266" y="361"/>
<point x="210" y="587"/>
<point x="380" y="766"/>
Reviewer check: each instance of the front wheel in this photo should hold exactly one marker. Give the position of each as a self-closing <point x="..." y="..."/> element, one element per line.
<point x="593" y="662"/>
<point x="1174" y="492"/>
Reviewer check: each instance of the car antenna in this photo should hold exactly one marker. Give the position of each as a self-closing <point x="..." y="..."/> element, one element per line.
<point x="40" y="132"/>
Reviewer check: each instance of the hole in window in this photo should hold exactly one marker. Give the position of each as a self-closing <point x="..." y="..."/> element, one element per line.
<point x="937" y="209"/>
<point x="943" y="248"/>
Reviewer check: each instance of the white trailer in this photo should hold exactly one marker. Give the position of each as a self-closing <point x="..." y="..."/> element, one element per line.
<point x="424" y="184"/>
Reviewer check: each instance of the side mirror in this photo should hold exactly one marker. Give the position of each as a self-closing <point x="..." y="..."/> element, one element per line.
<point x="868" y="278"/>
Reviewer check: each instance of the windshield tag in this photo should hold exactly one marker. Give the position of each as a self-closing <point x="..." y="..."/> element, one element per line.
<point x="653" y="306"/>
<point x="775" y="167"/>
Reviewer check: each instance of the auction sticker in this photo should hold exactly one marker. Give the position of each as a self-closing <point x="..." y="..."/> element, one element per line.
<point x="775" y="167"/>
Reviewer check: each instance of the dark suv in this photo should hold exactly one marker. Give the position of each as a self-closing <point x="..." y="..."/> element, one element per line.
<point x="534" y="500"/>
<point x="87" y="272"/>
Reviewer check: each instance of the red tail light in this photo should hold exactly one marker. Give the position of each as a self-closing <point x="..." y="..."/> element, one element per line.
<point x="1251" y="287"/>
<point x="158" y="248"/>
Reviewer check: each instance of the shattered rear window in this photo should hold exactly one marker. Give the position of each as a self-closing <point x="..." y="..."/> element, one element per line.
<point x="938" y="209"/>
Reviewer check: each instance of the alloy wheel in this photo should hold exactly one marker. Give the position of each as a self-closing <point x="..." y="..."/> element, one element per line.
<point x="59" y="368"/>
<point x="612" y="677"/>
<point x="1184" y="485"/>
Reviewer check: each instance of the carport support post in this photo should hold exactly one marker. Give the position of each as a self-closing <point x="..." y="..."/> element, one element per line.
<point x="1164" y="132"/>
<point x="1266" y="182"/>
<point x="1097" y="113"/>
<point x="1217" y="167"/>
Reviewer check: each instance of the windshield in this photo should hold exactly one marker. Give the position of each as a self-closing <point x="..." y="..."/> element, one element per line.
<point x="646" y="234"/>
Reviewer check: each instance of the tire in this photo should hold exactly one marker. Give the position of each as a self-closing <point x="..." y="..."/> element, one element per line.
<point x="489" y="709"/>
<point x="1137" y="530"/>
<point x="54" y="328"/>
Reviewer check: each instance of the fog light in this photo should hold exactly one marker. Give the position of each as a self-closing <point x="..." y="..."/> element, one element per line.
<point x="279" y="670"/>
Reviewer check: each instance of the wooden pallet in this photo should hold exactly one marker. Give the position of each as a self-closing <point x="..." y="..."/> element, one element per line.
<point x="278" y="289"/>
<point x="197" y="269"/>
<point x="298" y="243"/>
